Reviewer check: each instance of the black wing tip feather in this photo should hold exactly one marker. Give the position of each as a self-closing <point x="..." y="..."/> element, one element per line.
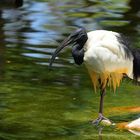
<point x="129" y="51"/>
<point x="136" y="64"/>
<point x="125" y="41"/>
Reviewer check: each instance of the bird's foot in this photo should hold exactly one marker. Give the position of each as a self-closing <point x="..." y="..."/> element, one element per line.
<point x="99" y="119"/>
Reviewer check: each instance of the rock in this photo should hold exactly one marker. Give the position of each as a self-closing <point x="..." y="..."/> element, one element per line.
<point x="106" y="123"/>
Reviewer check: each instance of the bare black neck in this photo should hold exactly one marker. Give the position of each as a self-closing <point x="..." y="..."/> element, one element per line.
<point x="78" y="48"/>
<point x="78" y="54"/>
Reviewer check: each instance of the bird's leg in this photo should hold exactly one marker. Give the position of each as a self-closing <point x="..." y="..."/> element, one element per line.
<point x="100" y="117"/>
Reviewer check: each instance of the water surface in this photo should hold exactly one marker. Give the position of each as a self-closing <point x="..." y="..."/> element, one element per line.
<point x="38" y="104"/>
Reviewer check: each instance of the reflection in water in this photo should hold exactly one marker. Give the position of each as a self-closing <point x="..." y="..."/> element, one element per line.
<point x="58" y="104"/>
<point x="132" y="15"/>
<point x="2" y="47"/>
<point x="5" y="13"/>
<point x="11" y="3"/>
<point x="100" y="133"/>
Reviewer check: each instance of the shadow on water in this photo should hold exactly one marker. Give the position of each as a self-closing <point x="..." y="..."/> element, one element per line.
<point x="132" y="16"/>
<point x="36" y="103"/>
<point x="11" y="3"/>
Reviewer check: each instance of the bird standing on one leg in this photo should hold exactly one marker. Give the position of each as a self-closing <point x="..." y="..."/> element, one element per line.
<point x="107" y="57"/>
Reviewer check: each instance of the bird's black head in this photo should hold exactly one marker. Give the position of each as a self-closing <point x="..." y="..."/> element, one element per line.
<point x="77" y="39"/>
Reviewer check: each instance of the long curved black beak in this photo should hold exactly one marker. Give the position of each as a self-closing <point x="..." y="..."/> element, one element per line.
<point x="64" y="44"/>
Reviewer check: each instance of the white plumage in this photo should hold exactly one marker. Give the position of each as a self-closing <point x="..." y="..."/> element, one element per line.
<point x="104" y="57"/>
<point x="104" y="53"/>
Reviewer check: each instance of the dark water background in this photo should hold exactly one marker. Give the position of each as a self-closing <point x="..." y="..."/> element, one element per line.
<point x="38" y="104"/>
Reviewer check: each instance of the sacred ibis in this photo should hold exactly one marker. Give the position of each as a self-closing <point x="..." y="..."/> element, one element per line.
<point x="107" y="57"/>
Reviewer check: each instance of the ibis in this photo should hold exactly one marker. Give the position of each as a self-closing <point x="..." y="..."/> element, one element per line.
<point x="107" y="56"/>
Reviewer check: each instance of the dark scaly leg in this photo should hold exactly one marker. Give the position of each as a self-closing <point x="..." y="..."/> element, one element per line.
<point x="100" y="117"/>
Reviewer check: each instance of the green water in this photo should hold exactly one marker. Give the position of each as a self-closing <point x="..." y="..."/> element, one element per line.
<point x="38" y="104"/>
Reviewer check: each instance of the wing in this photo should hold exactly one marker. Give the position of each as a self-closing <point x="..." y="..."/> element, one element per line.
<point x="107" y="54"/>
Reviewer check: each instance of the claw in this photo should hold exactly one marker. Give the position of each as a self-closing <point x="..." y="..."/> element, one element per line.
<point x="99" y="119"/>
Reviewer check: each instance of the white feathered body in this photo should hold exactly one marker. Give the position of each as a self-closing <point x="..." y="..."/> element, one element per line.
<point x="105" y="58"/>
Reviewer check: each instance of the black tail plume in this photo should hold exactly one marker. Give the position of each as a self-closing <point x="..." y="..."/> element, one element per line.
<point x="136" y="64"/>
